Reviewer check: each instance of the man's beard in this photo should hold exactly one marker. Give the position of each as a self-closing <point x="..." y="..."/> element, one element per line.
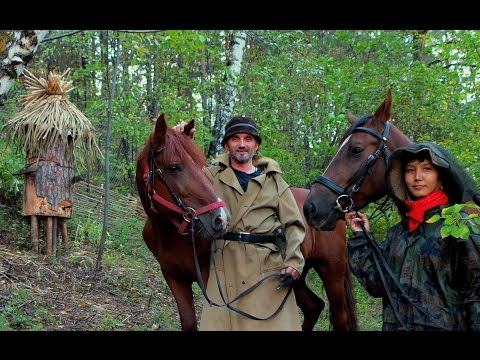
<point x="242" y="159"/>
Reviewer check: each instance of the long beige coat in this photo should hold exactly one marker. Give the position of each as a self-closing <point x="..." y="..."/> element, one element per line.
<point x="268" y="204"/>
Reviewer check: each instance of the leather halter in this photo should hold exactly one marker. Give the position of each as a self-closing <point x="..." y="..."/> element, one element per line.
<point x="358" y="181"/>
<point x="188" y="213"/>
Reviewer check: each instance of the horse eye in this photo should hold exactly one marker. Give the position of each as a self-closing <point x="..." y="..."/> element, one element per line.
<point x="174" y="168"/>
<point x="356" y="150"/>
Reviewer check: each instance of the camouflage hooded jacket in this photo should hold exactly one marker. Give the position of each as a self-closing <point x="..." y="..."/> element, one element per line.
<point x="441" y="275"/>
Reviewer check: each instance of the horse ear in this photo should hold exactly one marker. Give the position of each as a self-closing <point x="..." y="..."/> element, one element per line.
<point x="160" y="130"/>
<point x="351" y="118"/>
<point x="189" y="127"/>
<point x="384" y="111"/>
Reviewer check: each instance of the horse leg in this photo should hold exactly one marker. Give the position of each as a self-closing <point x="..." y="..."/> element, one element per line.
<point x="333" y="281"/>
<point x="183" y="294"/>
<point x="308" y="302"/>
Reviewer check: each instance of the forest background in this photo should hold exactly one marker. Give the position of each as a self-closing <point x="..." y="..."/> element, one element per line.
<point x="296" y="84"/>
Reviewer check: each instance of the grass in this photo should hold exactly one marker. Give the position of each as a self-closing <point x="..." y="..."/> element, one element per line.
<point x="133" y="270"/>
<point x="369" y="309"/>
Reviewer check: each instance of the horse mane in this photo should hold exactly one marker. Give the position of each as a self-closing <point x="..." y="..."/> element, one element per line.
<point x="176" y="145"/>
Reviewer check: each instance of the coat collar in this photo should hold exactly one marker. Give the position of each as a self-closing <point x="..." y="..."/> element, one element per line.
<point x="263" y="161"/>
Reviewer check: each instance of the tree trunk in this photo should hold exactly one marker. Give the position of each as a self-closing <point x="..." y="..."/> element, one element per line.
<point x="107" y="155"/>
<point x="234" y="62"/>
<point x="16" y="50"/>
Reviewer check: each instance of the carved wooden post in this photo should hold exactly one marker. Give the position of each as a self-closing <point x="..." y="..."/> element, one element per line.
<point x="48" y="193"/>
<point x="34" y="233"/>
<point x="62" y="223"/>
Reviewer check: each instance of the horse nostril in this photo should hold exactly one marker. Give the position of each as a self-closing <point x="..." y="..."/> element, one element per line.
<point x="218" y="223"/>
<point x="309" y="208"/>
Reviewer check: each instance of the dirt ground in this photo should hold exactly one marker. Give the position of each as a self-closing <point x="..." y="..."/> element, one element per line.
<point x="66" y="293"/>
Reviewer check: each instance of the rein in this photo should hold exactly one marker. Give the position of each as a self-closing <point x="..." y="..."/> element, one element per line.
<point x="379" y="262"/>
<point x="190" y="216"/>
<point x="228" y="304"/>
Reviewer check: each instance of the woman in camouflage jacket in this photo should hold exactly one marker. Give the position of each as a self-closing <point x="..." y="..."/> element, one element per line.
<point x="437" y="280"/>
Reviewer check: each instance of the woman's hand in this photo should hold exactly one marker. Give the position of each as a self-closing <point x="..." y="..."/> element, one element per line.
<point x="355" y="222"/>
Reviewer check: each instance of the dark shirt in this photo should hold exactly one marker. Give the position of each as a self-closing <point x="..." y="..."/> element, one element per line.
<point x="244" y="178"/>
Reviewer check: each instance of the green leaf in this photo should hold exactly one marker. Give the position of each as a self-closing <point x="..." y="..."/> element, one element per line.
<point x="449" y="220"/>
<point x="464" y="232"/>
<point x="475" y="229"/>
<point x="457" y="231"/>
<point x="433" y="219"/>
<point x="447" y="211"/>
<point x="445" y="231"/>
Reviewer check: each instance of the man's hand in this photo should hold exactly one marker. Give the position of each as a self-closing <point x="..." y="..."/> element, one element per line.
<point x="287" y="276"/>
<point x="292" y="271"/>
<point x="180" y="127"/>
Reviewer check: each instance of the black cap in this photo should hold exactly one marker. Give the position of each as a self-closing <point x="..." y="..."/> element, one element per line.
<point x="241" y="124"/>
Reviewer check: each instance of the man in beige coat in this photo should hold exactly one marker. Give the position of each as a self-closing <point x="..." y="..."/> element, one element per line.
<point x="260" y="202"/>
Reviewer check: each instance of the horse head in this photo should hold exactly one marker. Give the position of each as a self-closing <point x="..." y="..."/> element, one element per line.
<point x="172" y="184"/>
<point x="355" y="176"/>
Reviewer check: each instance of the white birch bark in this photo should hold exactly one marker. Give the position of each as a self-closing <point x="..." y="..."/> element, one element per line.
<point x="226" y="109"/>
<point x="16" y="50"/>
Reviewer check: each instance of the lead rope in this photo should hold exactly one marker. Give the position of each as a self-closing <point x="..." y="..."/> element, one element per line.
<point x="243" y="293"/>
<point x="378" y="256"/>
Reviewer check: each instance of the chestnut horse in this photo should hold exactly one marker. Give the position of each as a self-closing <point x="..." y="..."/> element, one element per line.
<point x="326" y="253"/>
<point x="173" y="203"/>
<point x="356" y="175"/>
<point x="169" y="172"/>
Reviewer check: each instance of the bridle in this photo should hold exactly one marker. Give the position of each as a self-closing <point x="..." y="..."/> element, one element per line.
<point x="345" y="196"/>
<point x="188" y="213"/>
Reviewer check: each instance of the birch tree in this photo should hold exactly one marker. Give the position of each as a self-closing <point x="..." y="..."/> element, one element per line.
<point x="16" y="50"/>
<point x="225" y="110"/>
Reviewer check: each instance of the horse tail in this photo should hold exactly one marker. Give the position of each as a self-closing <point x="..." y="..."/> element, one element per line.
<point x="350" y="301"/>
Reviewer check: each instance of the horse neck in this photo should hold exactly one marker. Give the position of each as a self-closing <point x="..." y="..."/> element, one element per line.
<point x="397" y="139"/>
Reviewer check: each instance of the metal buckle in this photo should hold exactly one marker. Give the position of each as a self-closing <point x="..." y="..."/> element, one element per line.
<point x="189" y="214"/>
<point x="346" y="208"/>
<point x="240" y="235"/>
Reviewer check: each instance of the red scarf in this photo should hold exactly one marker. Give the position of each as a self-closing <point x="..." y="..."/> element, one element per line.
<point x="417" y="208"/>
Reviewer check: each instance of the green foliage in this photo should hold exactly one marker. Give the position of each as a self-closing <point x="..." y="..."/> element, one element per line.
<point x="11" y="186"/>
<point x="369" y="309"/>
<point x="4" y="326"/>
<point x="109" y="323"/>
<point x="458" y="223"/>
<point x="87" y="229"/>
<point x="14" y="315"/>
<point x="297" y="84"/>
<point x="165" y="319"/>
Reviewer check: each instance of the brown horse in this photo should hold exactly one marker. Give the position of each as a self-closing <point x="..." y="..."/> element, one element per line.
<point x="167" y="164"/>
<point x="326" y="253"/>
<point x="173" y="203"/>
<point x="356" y="175"/>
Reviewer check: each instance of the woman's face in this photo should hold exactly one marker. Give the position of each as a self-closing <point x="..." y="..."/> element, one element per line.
<point x="421" y="178"/>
